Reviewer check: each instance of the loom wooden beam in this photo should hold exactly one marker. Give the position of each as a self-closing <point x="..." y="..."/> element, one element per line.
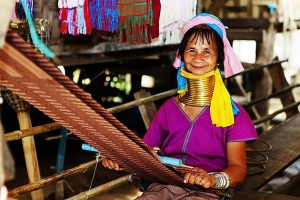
<point x="15" y="135"/>
<point x="50" y="179"/>
<point x="103" y="188"/>
<point x="141" y="101"/>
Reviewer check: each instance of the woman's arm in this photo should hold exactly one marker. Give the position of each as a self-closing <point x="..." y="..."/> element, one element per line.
<point x="237" y="162"/>
<point x="236" y="171"/>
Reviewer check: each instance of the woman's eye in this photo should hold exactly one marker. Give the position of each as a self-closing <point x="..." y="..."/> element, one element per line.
<point x="206" y="52"/>
<point x="190" y="50"/>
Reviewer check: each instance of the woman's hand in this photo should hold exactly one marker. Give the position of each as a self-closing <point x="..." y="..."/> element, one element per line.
<point x="111" y="164"/>
<point x="198" y="176"/>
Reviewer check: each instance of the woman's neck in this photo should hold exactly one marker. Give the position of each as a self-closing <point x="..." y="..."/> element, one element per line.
<point x="199" y="91"/>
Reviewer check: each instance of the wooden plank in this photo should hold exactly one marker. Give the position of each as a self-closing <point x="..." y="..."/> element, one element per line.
<point x="250" y="195"/>
<point x="246" y="34"/>
<point x="279" y="81"/>
<point x="215" y="7"/>
<point x="284" y="139"/>
<point x="255" y="23"/>
<point x="88" y="54"/>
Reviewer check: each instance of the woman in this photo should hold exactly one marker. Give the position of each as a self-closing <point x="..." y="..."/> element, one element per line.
<point x="202" y="126"/>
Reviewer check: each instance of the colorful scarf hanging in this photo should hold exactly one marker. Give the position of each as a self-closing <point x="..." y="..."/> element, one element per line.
<point x="135" y="18"/>
<point x="74" y="16"/>
<point x="104" y="15"/>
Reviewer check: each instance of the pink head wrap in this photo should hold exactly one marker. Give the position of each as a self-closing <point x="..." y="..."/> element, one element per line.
<point x="232" y="64"/>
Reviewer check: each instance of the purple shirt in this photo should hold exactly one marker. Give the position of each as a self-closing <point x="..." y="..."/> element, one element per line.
<point x="199" y="142"/>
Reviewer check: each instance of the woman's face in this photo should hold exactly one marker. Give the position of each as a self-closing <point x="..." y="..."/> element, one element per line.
<point x="200" y="57"/>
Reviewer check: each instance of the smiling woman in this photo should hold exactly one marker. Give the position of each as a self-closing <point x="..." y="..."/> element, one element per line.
<point x="202" y="126"/>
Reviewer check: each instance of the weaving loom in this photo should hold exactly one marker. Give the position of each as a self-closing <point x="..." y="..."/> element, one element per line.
<point x="27" y="73"/>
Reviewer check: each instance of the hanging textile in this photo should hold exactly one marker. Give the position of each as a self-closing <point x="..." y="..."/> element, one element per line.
<point x="154" y="29"/>
<point x="20" y="13"/>
<point x="135" y="18"/>
<point x="74" y="16"/>
<point x="171" y="23"/>
<point x="104" y="15"/>
<point x="132" y="22"/>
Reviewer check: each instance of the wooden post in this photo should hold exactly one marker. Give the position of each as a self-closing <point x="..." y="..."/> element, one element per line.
<point x="2" y="176"/>
<point x="147" y="110"/>
<point x="59" y="185"/>
<point x="22" y="109"/>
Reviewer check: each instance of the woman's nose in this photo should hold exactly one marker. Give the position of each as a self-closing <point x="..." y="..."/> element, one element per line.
<point x="198" y="57"/>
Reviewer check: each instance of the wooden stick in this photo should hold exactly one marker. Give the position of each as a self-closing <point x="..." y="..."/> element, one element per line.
<point x="141" y="101"/>
<point x="271" y="95"/>
<point x="15" y="135"/>
<point x="48" y="180"/>
<point x="267" y="117"/>
<point x="103" y="188"/>
<point x="254" y="67"/>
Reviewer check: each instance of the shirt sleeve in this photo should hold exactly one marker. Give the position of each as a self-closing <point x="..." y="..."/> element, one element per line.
<point x="243" y="128"/>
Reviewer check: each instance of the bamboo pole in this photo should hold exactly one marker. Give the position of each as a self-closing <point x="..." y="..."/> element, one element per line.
<point x="267" y="117"/>
<point x="16" y="135"/>
<point x="254" y="67"/>
<point x="103" y="188"/>
<point x="22" y="109"/>
<point x="50" y="179"/>
<point x="141" y="101"/>
<point x="30" y="154"/>
<point x="277" y="93"/>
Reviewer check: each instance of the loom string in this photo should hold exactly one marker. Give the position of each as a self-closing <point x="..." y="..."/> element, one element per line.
<point x="34" y="36"/>
<point x="94" y="173"/>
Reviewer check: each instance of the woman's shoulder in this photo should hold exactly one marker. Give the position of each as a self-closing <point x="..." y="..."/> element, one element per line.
<point x="169" y="102"/>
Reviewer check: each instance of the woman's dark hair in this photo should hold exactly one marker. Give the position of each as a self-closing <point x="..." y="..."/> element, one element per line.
<point x="203" y="32"/>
